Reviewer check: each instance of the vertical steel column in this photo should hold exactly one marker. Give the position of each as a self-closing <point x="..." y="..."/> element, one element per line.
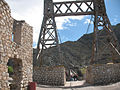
<point x="95" y="41"/>
<point x="48" y="35"/>
<point x="101" y="20"/>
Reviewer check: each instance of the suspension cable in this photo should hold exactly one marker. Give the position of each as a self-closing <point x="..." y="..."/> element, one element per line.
<point x="89" y="24"/>
<point x="59" y="38"/>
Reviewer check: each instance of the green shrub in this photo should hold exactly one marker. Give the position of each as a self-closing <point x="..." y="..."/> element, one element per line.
<point x="10" y="69"/>
<point x="83" y="70"/>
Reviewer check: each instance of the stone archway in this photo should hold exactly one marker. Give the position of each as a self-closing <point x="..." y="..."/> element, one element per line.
<point x="15" y="73"/>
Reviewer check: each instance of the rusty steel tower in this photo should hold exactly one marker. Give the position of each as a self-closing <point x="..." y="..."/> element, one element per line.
<point x="48" y="34"/>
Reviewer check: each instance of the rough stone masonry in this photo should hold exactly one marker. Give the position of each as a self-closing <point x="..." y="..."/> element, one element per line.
<point x="15" y="48"/>
<point x="103" y="74"/>
<point x="51" y="75"/>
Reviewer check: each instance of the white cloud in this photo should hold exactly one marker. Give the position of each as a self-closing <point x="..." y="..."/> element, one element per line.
<point x="62" y="20"/>
<point x="32" y="13"/>
<point x="87" y="21"/>
<point x="17" y="16"/>
<point x="72" y="24"/>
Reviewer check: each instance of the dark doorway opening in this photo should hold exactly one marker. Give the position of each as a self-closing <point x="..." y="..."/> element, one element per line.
<point x="15" y="73"/>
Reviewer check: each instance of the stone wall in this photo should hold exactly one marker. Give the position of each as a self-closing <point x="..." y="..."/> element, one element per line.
<point x="50" y="75"/>
<point x="10" y="48"/>
<point x="103" y="74"/>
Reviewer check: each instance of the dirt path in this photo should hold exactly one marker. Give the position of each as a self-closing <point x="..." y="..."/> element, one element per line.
<point x="80" y="85"/>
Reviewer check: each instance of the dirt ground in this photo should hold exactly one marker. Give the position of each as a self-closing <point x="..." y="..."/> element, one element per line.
<point x="79" y="85"/>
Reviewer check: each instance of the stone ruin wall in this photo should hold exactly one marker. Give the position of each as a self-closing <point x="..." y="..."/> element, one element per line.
<point x="103" y="74"/>
<point x="10" y="48"/>
<point x="54" y="75"/>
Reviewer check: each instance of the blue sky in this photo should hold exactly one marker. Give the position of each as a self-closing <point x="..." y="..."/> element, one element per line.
<point x="113" y="11"/>
<point x="73" y="33"/>
<point x="69" y="28"/>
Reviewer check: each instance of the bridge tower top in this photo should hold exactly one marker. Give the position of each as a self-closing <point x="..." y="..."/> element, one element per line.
<point x="48" y="34"/>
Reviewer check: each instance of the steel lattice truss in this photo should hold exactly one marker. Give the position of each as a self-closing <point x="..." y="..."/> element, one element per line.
<point x="78" y="5"/>
<point x="48" y="33"/>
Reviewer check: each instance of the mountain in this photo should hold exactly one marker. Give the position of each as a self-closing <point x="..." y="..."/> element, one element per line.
<point x="78" y="53"/>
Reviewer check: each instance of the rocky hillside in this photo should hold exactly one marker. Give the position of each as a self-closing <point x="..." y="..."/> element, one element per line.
<point x="78" y="53"/>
